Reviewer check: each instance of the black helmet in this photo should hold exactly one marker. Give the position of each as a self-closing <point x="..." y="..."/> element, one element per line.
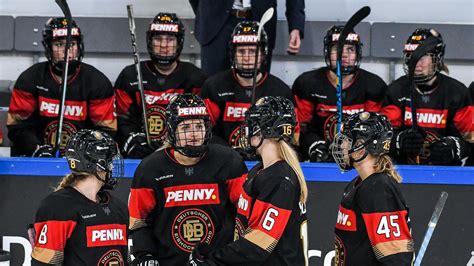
<point x="368" y="130"/>
<point x="331" y="38"/>
<point x="246" y="33"/>
<point x="437" y="54"/>
<point x="186" y="107"/>
<point x="91" y="151"/>
<point x="272" y="117"/>
<point x="54" y="29"/>
<point x="169" y="24"/>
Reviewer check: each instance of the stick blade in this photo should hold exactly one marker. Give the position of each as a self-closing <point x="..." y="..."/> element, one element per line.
<point x="351" y="23"/>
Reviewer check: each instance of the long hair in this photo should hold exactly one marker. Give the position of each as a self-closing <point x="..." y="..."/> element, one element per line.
<point x="383" y="163"/>
<point x="289" y="155"/>
<point x="70" y="179"/>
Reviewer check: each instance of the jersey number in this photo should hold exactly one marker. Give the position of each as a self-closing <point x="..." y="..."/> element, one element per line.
<point x="42" y="239"/>
<point x="269" y="220"/>
<point x="385" y="229"/>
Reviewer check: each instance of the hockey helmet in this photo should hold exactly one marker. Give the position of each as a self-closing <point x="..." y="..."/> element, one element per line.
<point x="191" y="109"/>
<point x="331" y="39"/>
<point x="437" y="54"/>
<point x="272" y="117"/>
<point x="93" y="151"/>
<point x="246" y="34"/>
<point x="368" y="130"/>
<point x="165" y="24"/>
<point x="56" y="29"/>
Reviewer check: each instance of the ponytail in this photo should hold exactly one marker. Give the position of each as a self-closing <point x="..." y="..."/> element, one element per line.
<point x="289" y="155"/>
<point x="383" y="163"/>
<point x="70" y="179"/>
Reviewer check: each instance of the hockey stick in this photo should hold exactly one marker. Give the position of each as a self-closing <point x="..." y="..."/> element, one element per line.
<point x="67" y="14"/>
<point x="428" y="45"/>
<point x="431" y="226"/>
<point x="351" y="23"/>
<point x="265" y="18"/>
<point x="136" y="58"/>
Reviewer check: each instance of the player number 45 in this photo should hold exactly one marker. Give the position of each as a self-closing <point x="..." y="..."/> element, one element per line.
<point x="388" y="224"/>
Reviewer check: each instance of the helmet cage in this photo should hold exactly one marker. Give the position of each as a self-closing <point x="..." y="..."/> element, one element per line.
<point x="56" y="29"/>
<point x="331" y="39"/>
<point x="437" y="54"/>
<point x="165" y="24"/>
<point x="182" y="108"/>
<point x="272" y="118"/>
<point x="246" y="34"/>
<point x="92" y="152"/>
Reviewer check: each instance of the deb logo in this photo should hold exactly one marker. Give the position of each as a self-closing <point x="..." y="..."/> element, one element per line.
<point x="243" y="205"/>
<point x="106" y="235"/>
<point x="235" y="112"/>
<point x="346" y="219"/>
<point x="195" y="194"/>
<point x="164" y="27"/>
<point x="73" y="110"/>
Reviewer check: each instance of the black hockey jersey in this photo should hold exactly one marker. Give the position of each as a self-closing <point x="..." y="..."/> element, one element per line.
<point x="34" y="106"/>
<point x="227" y="101"/>
<point x="73" y="230"/>
<point x="447" y="111"/>
<point x="316" y="101"/>
<point x="373" y="224"/>
<point x="159" y="89"/>
<point x="271" y="221"/>
<point x="173" y="207"/>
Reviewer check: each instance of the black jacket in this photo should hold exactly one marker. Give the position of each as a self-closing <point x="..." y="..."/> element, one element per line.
<point x="211" y="16"/>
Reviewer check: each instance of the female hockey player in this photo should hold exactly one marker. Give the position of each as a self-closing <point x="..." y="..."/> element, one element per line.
<point x="81" y="223"/>
<point x="271" y="215"/>
<point x="184" y="194"/>
<point x="372" y="225"/>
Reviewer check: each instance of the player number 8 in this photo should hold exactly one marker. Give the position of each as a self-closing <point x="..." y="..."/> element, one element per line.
<point x="42" y="239"/>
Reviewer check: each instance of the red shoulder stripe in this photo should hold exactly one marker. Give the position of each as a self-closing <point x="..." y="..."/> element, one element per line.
<point x="22" y="103"/>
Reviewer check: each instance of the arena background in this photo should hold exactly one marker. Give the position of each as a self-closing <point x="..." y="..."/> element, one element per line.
<point x="25" y="182"/>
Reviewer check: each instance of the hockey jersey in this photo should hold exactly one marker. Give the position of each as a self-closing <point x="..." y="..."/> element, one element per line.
<point x="159" y="90"/>
<point x="173" y="207"/>
<point x="34" y="106"/>
<point x="271" y="222"/>
<point x="316" y="101"/>
<point x="227" y="101"/>
<point x="446" y="111"/>
<point x="73" y="230"/>
<point x="373" y="224"/>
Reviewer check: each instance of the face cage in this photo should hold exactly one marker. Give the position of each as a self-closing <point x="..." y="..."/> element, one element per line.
<point x="247" y="131"/>
<point x="190" y="148"/>
<point x="420" y="78"/>
<point x="345" y="70"/>
<point x="340" y="151"/>
<point x="248" y="72"/>
<point x="160" y="60"/>
<point x="59" y="66"/>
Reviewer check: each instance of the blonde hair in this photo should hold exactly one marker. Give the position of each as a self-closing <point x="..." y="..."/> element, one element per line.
<point x="70" y="179"/>
<point x="289" y="155"/>
<point x="383" y="163"/>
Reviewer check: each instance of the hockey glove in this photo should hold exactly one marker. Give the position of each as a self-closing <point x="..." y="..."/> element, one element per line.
<point x="136" y="146"/>
<point x="410" y="141"/>
<point x="146" y="260"/>
<point x="43" y="151"/>
<point x="319" y="152"/>
<point x="198" y="255"/>
<point x="446" y="150"/>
